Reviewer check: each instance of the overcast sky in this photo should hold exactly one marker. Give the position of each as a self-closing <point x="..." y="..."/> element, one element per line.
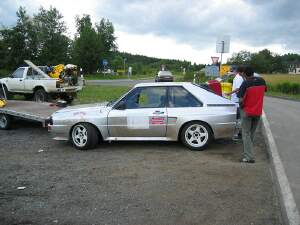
<point x="181" y="29"/>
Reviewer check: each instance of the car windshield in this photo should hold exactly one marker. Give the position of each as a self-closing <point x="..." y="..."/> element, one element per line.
<point x="164" y="73"/>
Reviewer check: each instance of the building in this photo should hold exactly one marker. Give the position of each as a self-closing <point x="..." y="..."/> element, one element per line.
<point x="294" y="67"/>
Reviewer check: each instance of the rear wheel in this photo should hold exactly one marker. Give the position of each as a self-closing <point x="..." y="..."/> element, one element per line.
<point x="5" y="122"/>
<point x="40" y="95"/>
<point x="196" y="135"/>
<point x="84" y="136"/>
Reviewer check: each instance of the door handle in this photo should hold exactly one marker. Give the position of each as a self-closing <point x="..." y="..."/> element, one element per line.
<point x="158" y="112"/>
<point x="20" y="80"/>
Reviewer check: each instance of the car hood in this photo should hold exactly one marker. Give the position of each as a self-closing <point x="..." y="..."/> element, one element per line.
<point x="83" y="108"/>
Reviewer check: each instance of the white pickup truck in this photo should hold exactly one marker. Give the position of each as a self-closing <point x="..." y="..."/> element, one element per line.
<point x="32" y="82"/>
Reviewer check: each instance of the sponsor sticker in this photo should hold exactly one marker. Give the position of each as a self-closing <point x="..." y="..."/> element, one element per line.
<point x="157" y="120"/>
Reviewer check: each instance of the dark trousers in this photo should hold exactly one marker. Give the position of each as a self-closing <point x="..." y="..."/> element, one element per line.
<point x="249" y="125"/>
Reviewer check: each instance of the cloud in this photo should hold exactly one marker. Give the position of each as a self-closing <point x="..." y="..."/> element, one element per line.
<point x="199" y="22"/>
<point x="187" y="25"/>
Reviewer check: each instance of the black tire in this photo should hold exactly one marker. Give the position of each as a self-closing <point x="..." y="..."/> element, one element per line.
<point x="40" y="95"/>
<point x="196" y="135"/>
<point x="5" y="121"/>
<point x="84" y="136"/>
<point x="69" y="99"/>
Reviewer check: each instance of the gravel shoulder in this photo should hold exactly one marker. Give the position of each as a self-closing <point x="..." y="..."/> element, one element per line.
<point x="131" y="183"/>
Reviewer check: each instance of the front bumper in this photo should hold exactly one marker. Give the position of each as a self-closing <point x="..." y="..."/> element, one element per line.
<point x="59" y="132"/>
<point x="165" y="79"/>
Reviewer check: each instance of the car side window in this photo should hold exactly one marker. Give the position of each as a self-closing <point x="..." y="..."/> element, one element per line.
<point x="147" y="97"/>
<point x="180" y="97"/>
<point x="18" y="73"/>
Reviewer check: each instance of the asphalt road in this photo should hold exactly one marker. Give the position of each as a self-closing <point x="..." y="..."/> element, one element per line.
<point x="283" y="116"/>
<point x="119" y="82"/>
<point x="131" y="183"/>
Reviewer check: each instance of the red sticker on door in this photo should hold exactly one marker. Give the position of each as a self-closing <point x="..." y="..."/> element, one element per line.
<point x="157" y="120"/>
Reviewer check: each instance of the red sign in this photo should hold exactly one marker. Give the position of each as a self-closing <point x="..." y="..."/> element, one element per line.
<point x="157" y="120"/>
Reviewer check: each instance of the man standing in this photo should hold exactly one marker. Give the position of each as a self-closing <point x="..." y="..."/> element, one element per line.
<point x="251" y="94"/>
<point x="237" y="82"/>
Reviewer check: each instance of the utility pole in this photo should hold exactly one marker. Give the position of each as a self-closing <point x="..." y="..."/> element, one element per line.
<point x="222" y="51"/>
<point x="125" y="67"/>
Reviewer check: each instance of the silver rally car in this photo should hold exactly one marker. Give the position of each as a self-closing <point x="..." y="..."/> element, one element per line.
<point x="149" y="112"/>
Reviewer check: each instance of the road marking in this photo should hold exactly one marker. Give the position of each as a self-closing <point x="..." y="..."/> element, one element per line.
<point x="289" y="207"/>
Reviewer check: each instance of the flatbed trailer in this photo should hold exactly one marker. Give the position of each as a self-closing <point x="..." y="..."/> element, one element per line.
<point x="26" y="110"/>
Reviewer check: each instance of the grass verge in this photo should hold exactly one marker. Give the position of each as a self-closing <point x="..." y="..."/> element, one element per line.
<point x="92" y="94"/>
<point x="282" y="95"/>
<point x="116" y="77"/>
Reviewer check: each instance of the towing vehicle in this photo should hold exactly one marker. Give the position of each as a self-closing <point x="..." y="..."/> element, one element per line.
<point x="34" y="83"/>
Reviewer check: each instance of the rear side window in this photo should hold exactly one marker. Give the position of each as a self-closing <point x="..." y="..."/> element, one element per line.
<point x="179" y="97"/>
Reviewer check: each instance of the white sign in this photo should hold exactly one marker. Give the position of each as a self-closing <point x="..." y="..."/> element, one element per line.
<point x="137" y="121"/>
<point x="223" y="44"/>
<point x="211" y="71"/>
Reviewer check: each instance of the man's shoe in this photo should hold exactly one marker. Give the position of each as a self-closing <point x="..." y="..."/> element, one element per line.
<point x="244" y="160"/>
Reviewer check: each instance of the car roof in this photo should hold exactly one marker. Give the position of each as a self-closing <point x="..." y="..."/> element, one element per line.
<point x="205" y="96"/>
<point x="157" y="84"/>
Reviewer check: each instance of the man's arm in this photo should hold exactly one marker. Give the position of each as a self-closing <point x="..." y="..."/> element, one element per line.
<point x="234" y="91"/>
<point x="242" y="90"/>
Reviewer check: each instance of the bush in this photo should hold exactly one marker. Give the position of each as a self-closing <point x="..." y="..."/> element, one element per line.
<point x="200" y="77"/>
<point x="285" y="87"/>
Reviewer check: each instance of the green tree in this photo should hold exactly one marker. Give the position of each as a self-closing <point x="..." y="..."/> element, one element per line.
<point x="88" y="45"/>
<point x="117" y="62"/>
<point x="19" y="42"/>
<point x="53" y="44"/>
<point x="240" y="58"/>
<point x="106" y="31"/>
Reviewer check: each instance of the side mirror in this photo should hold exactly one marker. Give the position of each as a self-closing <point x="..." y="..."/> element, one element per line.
<point x="121" y="105"/>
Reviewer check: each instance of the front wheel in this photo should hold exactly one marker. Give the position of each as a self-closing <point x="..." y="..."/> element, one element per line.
<point x="84" y="136"/>
<point x="196" y="135"/>
<point x="5" y="122"/>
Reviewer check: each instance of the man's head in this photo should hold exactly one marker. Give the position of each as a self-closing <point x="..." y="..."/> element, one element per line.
<point x="248" y="72"/>
<point x="240" y="70"/>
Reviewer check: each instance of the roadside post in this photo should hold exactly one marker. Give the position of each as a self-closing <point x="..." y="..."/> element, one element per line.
<point x="222" y="46"/>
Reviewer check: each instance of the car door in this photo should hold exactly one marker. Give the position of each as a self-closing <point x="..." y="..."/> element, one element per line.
<point x="16" y="80"/>
<point x="29" y="81"/>
<point x="142" y="113"/>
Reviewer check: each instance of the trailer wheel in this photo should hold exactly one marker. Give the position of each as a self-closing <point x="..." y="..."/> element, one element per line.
<point x="84" y="136"/>
<point x="5" y="121"/>
<point x="40" y="95"/>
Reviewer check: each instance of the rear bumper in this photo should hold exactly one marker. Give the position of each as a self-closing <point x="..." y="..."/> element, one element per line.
<point x="224" y="130"/>
<point x="71" y="89"/>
